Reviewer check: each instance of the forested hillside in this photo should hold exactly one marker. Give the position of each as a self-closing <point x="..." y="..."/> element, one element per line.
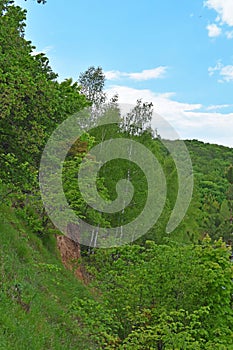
<point x="159" y="291"/>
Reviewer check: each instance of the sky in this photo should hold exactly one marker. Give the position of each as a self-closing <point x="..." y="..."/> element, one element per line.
<point x="177" y="54"/>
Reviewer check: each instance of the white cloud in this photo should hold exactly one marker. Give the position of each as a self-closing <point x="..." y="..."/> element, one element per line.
<point x="213" y="30"/>
<point x="216" y="107"/>
<point x="149" y="74"/>
<point x="224" y="9"/>
<point x="225" y="72"/>
<point x="146" y="74"/>
<point x="45" y="50"/>
<point x="217" y="67"/>
<point x="229" y="34"/>
<point x="113" y="75"/>
<point x="188" y="120"/>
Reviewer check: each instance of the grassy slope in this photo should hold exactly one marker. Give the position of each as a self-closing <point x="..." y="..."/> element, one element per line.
<point x="32" y="278"/>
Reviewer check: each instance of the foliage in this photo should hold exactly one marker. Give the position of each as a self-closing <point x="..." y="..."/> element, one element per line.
<point x="92" y="85"/>
<point x="165" y="292"/>
<point x="71" y="169"/>
<point x="138" y="119"/>
<point x="41" y="1"/>
<point x="210" y="163"/>
<point x="32" y="102"/>
<point x="177" y="296"/>
<point x="35" y="293"/>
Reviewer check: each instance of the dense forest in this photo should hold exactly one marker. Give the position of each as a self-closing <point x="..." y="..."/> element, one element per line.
<point x="160" y="290"/>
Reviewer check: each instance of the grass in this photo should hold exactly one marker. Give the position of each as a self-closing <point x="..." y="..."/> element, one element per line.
<point x="35" y="293"/>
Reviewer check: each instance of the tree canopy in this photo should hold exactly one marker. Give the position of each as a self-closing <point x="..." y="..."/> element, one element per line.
<point x="163" y="291"/>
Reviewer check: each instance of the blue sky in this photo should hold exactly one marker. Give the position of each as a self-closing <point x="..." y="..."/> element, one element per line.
<point x="176" y="53"/>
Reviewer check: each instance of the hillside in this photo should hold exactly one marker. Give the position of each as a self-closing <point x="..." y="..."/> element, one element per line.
<point x="36" y="293"/>
<point x="145" y="288"/>
<point x="137" y="297"/>
<point x="211" y="164"/>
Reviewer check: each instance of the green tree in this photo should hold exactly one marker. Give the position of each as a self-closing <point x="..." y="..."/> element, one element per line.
<point x="92" y="85"/>
<point x="41" y="1"/>
<point x="32" y="102"/>
<point x="139" y="118"/>
<point x="177" y="296"/>
<point x="229" y="176"/>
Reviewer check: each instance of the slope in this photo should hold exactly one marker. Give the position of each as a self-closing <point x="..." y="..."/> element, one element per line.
<point x="35" y="293"/>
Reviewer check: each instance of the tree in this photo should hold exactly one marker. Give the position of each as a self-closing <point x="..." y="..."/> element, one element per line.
<point x="41" y="1"/>
<point x="139" y="118"/>
<point x="229" y="176"/>
<point x="32" y="102"/>
<point x="92" y="84"/>
<point x="178" y="296"/>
